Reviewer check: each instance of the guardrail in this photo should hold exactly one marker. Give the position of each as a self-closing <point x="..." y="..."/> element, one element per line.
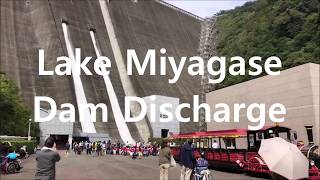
<point x="4" y="137"/>
<point x="180" y="10"/>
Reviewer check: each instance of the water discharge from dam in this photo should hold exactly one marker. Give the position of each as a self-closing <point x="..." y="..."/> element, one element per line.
<point x="86" y="125"/>
<point x="118" y="116"/>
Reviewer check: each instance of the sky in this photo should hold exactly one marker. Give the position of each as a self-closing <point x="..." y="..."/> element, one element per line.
<point x="206" y="8"/>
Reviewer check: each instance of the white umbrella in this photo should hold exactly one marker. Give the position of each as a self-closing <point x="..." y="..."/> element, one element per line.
<point x="284" y="158"/>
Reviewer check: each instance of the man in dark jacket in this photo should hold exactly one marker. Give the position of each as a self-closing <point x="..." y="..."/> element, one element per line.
<point x="187" y="160"/>
<point x="46" y="161"/>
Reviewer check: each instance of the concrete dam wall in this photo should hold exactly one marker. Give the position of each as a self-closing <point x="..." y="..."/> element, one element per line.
<point x="29" y="25"/>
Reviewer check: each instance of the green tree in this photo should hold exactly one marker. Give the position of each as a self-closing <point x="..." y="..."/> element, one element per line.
<point x="14" y="115"/>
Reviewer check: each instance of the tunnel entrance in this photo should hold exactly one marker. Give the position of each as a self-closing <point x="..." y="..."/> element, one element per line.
<point x="164" y="133"/>
<point x="60" y="140"/>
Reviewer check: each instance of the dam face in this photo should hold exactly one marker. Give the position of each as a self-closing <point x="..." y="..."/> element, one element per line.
<point x="29" y="25"/>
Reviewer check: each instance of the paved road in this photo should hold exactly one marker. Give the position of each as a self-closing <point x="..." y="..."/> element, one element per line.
<point x="111" y="167"/>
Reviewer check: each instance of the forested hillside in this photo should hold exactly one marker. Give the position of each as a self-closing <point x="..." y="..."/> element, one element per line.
<point x="286" y="29"/>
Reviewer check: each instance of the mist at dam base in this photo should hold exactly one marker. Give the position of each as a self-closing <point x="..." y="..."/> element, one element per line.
<point x="165" y="112"/>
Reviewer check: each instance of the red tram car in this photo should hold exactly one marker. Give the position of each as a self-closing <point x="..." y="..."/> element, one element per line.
<point x="237" y="149"/>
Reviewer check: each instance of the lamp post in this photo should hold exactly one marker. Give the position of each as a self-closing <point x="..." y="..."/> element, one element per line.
<point x="29" y="137"/>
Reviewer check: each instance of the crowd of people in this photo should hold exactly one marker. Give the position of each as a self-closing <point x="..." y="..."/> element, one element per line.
<point x="47" y="156"/>
<point x="98" y="148"/>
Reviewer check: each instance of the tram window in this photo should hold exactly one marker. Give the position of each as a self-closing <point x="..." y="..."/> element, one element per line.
<point x="270" y="131"/>
<point x="201" y="144"/>
<point x="260" y="136"/>
<point x="230" y="143"/>
<point x="214" y="143"/>
<point x="196" y="143"/>
<point x="284" y="135"/>
<point x="251" y="140"/>
<point x="205" y="143"/>
<point x="241" y="143"/>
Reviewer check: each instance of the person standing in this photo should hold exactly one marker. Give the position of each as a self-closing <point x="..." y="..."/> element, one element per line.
<point x="109" y="147"/>
<point x="87" y="147"/>
<point x="46" y="161"/>
<point x="76" y="149"/>
<point x="94" y="149"/>
<point x="75" y="146"/>
<point x="99" y="149"/>
<point x="80" y="147"/>
<point x="67" y="148"/>
<point x="104" y="147"/>
<point x="187" y="160"/>
<point x="164" y="160"/>
<point x="90" y="148"/>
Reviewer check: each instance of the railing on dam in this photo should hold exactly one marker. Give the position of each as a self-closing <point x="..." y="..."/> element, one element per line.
<point x="180" y="10"/>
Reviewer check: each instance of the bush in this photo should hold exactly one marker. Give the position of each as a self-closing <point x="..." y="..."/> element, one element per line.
<point x="156" y="140"/>
<point x="159" y="141"/>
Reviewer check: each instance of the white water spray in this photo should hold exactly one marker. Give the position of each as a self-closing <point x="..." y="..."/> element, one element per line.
<point x="118" y="116"/>
<point x="86" y="125"/>
<point x="128" y="87"/>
